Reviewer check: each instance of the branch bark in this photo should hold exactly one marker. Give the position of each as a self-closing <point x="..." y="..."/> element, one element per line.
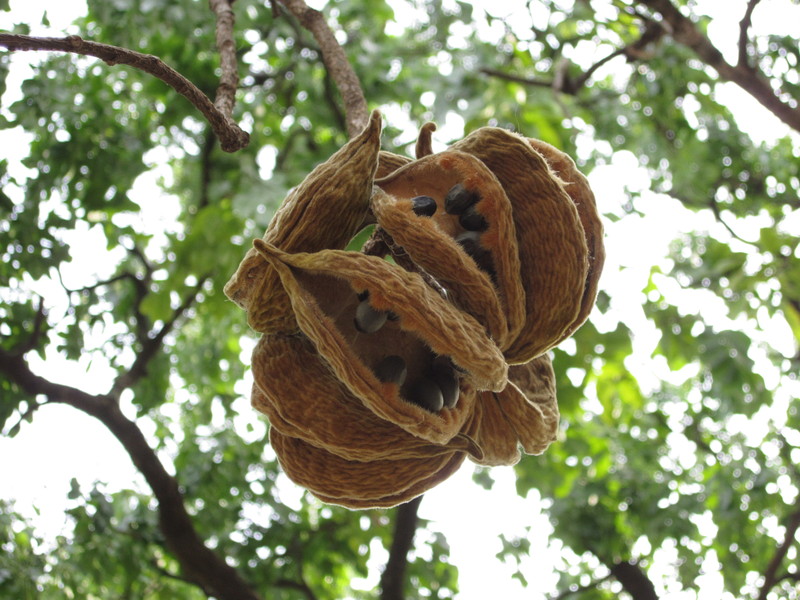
<point x="201" y="565"/>
<point x="229" y="79"/>
<point x="335" y="60"/>
<point x="634" y="580"/>
<point x="771" y="577"/>
<point x="750" y="80"/>
<point x="231" y="136"/>
<point x="393" y="578"/>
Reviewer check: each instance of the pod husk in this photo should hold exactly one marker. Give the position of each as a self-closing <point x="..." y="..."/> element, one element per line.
<point x="422" y="313"/>
<point x="499" y="305"/>
<point x="320" y="410"/>
<point x="577" y="186"/>
<point x="325" y="211"/>
<point x="552" y="245"/>
<point x="524" y="415"/>
<point x="339" y="482"/>
<point x="358" y="484"/>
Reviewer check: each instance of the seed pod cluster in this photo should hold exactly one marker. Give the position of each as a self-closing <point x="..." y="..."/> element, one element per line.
<point x="382" y="370"/>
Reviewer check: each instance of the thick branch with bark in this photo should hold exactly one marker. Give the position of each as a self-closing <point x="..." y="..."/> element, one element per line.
<point x="231" y="136"/>
<point x="634" y="580"/>
<point x="394" y="576"/>
<point x="201" y="565"/>
<point x="684" y="31"/>
<point x="355" y="105"/>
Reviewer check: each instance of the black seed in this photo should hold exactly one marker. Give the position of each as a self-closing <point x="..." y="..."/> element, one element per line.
<point x="424" y="392"/>
<point x="392" y="316"/>
<point x="459" y="199"/>
<point x="391" y="369"/>
<point x="444" y="374"/>
<point x="369" y="320"/>
<point x="363" y="295"/>
<point x="424" y="206"/>
<point x="472" y="220"/>
<point x="482" y="257"/>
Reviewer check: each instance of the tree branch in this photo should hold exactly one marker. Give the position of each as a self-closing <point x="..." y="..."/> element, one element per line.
<point x="393" y="578"/>
<point x="231" y="136"/>
<point x="229" y="79"/>
<point x="152" y="345"/>
<point x="335" y="60"/>
<point x="201" y="565"/>
<point x="771" y="573"/>
<point x="685" y="32"/>
<point x="744" y="25"/>
<point x="634" y="580"/>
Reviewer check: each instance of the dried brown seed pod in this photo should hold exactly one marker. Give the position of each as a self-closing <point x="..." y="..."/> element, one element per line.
<point x="577" y="186"/>
<point x="325" y="211"/>
<point x="552" y="244"/>
<point x="372" y="484"/>
<point x="487" y="286"/>
<point x="318" y="408"/>
<point x="524" y="414"/>
<point x="323" y="288"/>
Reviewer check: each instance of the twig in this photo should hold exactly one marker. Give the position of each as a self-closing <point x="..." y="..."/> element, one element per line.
<point x="771" y="572"/>
<point x="152" y="345"/>
<point x="36" y="334"/>
<point x="335" y="60"/>
<point x="685" y="32"/>
<point x="300" y="586"/>
<point x="393" y="578"/>
<point x="231" y="136"/>
<point x="229" y="79"/>
<point x="744" y="25"/>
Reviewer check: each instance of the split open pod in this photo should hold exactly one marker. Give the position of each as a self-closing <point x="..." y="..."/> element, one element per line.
<point x="380" y="374"/>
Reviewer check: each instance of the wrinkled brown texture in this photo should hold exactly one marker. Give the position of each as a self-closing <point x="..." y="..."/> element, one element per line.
<point x="528" y="281"/>
<point x="552" y="246"/>
<point x="325" y="211"/>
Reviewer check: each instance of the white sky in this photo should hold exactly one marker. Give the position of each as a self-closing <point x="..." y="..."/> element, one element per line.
<point x="62" y="443"/>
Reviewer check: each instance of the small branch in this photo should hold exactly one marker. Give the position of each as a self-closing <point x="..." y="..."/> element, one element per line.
<point x="232" y="137"/>
<point x="684" y="31"/>
<point x="152" y="345"/>
<point x="36" y="335"/>
<point x="200" y="564"/>
<point x="744" y="25"/>
<point x="335" y="60"/>
<point x="393" y="578"/>
<point x="771" y="572"/>
<point x="229" y="79"/>
<point x="516" y="78"/>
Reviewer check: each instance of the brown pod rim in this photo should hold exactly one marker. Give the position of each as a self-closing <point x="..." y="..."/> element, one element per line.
<point x="319" y="409"/>
<point x="552" y="244"/>
<point x="501" y="306"/>
<point x="421" y="312"/>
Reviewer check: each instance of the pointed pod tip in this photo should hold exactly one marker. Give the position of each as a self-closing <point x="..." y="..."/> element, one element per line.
<point x="268" y="251"/>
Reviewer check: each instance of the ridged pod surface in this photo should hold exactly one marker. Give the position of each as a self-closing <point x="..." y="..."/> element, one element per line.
<point x="381" y="371"/>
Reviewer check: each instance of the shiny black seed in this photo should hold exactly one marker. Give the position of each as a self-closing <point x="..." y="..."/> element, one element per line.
<point x="391" y="369"/>
<point x="459" y="199"/>
<point x="367" y="319"/>
<point x="472" y="220"/>
<point x="363" y="295"/>
<point x="424" y="206"/>
<point x="425" y="392"/>
<point x="482" y="257"/>
<point x="446" y="377"/>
